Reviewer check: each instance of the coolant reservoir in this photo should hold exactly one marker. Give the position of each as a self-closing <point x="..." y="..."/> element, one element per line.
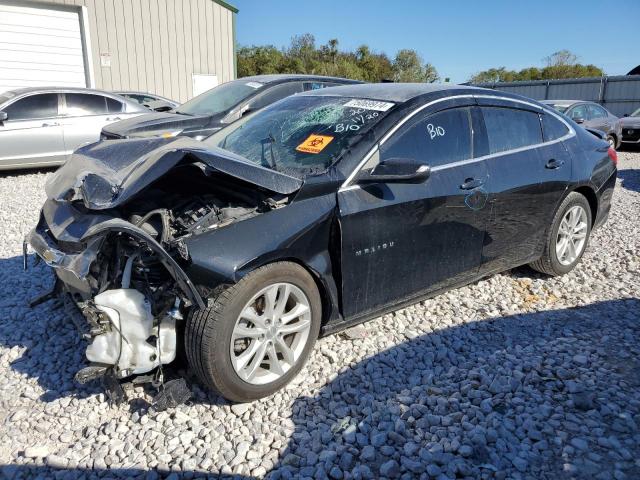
<point x="130" y="315"/>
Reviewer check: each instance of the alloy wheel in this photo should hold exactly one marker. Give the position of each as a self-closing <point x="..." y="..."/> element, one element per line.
<point x="572" y="235"/>
<point x="270" y="333"/>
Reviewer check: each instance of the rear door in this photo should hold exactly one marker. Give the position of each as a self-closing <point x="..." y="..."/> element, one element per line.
<point x="599" y="118"/>
<point x="400" y="240"/>
<point x="84" y="116"/>
<point x="32" y="133"/>
<point x="529" y="176"/>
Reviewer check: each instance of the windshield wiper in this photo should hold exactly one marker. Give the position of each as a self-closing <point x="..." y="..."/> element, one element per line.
<point x="183" y="113"/>
<point x="270" y="140"/>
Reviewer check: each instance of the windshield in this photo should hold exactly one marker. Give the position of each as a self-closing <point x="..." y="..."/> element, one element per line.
<point x="301" y="135"/>
<point x="636" y="113"/>
<point x="6" y="96"/>
<point x="220" y="99"/>
<point x="560" y="108"/>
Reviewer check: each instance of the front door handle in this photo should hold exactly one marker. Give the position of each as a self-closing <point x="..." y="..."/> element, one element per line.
<point x="51" y="124"/>
<point x="553" y="164"/>
<point x="114" y="119"/>
<point x="471" y="183"/>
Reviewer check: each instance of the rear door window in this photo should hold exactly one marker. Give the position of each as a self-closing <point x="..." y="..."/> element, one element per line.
<point x="510" y="128"/>
<point x="83" y="104"/>
<point x="43" y="105"/>
<point x="438" y="139"/>
<point x="275" y="93"/>
<point x="553" y="128"/>
<point x="596" y="111"/>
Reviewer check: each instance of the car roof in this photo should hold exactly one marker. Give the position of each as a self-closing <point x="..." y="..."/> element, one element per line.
<point x="279" y="78"/>
<point x="395" y="92"/>
<point x="22" y="91"/>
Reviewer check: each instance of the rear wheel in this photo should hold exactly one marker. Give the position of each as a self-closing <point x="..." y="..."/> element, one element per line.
<point x="258" y="334"/>
<point x="568" y="236"/>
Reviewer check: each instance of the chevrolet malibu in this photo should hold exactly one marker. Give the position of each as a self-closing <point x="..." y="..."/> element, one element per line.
<point x="323" y="210"/>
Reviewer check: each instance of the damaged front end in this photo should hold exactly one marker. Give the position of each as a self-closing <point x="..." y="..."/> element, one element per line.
<point x="115" y="228"/>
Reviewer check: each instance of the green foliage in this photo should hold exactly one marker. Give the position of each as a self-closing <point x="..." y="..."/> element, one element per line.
<point x="302" y="56"/>
<point x="561" y="64"/>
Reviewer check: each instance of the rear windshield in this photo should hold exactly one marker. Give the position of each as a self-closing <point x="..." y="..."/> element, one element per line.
<point x="220" y="99"/>
<point x="301" y="135"/>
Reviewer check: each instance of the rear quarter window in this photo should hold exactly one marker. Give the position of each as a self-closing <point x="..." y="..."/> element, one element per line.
<point x="510" y="128"/>
<point x="552" y="128"/>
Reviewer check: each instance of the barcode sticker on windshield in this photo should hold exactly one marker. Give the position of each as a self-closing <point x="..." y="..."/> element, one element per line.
<point x="369" y="104"/>
<point x="253" y="84"/>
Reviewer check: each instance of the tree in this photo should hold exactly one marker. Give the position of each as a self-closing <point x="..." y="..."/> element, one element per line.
<point x="302" y="56"/>
<point x="561" y="64"/>
<point x="408" y="67"/>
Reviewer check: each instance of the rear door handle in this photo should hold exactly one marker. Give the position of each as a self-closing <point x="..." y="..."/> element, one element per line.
<point x="471" y="183"/>
<point x="51" y="124"/>
<point x="114" y="119"/>
<point x="553" y="164"/>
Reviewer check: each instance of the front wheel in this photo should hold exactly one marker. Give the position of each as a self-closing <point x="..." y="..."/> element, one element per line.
<point x="258" y="334"/>
<point x="568" y="236"/>
<point x="612" y="141"/>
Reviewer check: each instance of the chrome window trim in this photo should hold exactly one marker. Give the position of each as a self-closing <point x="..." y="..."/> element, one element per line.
<point x="346" y="185"/>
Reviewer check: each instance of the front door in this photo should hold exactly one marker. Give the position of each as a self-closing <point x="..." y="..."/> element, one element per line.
<point x="402" y="240"/>
<point x="32" y="133"/>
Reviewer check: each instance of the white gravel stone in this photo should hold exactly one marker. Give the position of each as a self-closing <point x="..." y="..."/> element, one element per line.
<point x="515" y="376"/>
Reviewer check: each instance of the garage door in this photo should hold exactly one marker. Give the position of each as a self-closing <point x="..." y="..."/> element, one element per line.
<point x="40" y="46"/>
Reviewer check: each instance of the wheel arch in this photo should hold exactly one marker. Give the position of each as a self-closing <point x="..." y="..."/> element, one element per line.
<point x="323" y="279"/>
<point x="590" y="194"/>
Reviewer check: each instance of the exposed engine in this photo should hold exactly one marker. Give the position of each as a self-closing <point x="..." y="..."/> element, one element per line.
<point x="136" y="303"/>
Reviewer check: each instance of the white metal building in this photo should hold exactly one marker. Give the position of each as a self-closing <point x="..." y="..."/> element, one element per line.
<point x="175" y="48"/>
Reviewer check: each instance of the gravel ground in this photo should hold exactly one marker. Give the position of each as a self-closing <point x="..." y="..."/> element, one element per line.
<point x="515" y="376"/>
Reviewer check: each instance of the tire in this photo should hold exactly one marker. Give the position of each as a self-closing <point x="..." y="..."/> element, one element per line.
<point x="209" y="333"/>
<point x="549" y="262"/>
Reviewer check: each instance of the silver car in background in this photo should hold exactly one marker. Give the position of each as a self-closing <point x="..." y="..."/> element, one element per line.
<point x="41" y="126"/>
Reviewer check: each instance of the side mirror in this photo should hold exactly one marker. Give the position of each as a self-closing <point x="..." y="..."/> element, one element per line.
<point x="397" y="170"/>
<point x="578" y="120"/>
<point x="3" y="116"/>
<point x="246" y="110"/>
<point x="626" y="115"/>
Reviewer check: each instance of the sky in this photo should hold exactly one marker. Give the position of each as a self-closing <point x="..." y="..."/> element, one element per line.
<point x="459" y="38"/>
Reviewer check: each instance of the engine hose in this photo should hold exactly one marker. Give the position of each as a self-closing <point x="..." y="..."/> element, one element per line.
<point x="126" y="273"/>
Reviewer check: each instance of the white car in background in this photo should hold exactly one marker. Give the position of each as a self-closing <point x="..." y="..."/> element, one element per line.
<point x="40" y="126"/>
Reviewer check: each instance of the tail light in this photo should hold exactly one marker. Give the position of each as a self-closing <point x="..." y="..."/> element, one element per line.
<point x="613" y="155"/>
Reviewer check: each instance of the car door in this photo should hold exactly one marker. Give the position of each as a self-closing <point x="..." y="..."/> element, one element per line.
<point x="599" y="118"/>
<point x="529" y="176"/>
<point x="84" y="116"/>
<point x="400" y="239"/>
<point x="32" y="132"/>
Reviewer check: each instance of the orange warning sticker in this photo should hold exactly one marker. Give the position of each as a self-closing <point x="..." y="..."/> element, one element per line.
<point x="314" y="143"/>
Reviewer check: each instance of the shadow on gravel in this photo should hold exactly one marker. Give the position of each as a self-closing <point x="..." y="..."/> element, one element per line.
<point x="551" y="394"/>
<point x="630" y="179"/>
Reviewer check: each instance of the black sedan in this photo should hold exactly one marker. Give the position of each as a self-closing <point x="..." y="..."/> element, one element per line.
<point x="220" y="106"/>
<point x="321" y="211"/>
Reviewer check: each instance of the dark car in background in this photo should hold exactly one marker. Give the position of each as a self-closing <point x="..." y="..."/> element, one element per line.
<point x="591" y="115"/>
<point x="631" y="128"/>
<point x="321" y="211"/>
<point x="202" y="115"/>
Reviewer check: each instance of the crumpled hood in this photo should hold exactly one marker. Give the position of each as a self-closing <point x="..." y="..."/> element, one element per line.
<point x="633" y="122"/>
<point x="106" y="174"/>
<point x="155" y="124"/>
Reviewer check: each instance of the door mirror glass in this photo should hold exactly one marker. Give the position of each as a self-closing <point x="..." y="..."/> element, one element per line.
<point x="3" y="116"/>
<point x="396" y="170"/>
